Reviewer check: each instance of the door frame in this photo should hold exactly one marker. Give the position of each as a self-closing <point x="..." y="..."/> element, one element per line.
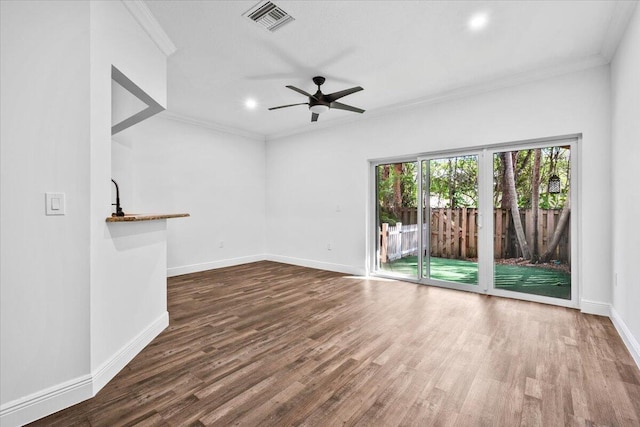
<point x="372" y="220"/>
<point x="573" y="141"/>
<point x="478" y="288"/>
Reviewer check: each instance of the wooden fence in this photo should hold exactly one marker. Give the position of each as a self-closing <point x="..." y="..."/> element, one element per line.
<point x="454" y="234"/>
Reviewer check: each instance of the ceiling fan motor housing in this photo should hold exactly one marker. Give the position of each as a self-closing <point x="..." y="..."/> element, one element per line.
<point x="319" y="98"/>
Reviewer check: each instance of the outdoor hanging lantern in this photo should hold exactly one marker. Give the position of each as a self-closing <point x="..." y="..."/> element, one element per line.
<point x="554" y="184"/>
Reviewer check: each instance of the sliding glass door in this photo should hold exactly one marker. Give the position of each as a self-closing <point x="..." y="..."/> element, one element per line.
<point x="449" y="223"/>
<point x="532" y="221"/>
<point x="429" y="225"/>
<point x="397" y="218"/>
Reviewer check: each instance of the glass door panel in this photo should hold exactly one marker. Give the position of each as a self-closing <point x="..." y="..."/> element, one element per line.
<point x="397" y="219"/>
<point x="449" y="219"/>
<point x="531" y="221"/>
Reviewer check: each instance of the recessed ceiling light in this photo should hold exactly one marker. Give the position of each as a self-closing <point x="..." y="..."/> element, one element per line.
<point x="251" y="104"/>
<point x="478" y="21"/>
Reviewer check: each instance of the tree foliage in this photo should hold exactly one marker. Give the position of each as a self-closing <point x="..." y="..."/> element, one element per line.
<point x="553" y="161"/>
<point x="453" y="182"/>
<point x="397" y="188"/>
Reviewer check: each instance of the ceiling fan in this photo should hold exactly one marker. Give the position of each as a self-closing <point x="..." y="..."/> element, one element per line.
<point x="320" y="103"/>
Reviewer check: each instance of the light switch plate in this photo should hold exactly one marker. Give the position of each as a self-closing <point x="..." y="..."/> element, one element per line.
<point x="54" y="203"/>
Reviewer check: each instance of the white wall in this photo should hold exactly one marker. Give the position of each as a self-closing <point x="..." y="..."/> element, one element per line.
<point x="625" y="90"/>
<point x="44" y="147"/>
<point x="128" y="261"/>
<point x="310" y="174"/>
<point x="76" y="304"/>
<point x="218" y="178"/>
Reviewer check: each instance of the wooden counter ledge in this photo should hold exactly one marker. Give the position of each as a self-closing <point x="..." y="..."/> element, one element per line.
<point x="144" y="217"/>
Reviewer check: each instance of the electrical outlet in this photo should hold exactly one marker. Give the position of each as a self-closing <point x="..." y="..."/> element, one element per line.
<point x="221" y="245"/>
<point x="328" y="246"/>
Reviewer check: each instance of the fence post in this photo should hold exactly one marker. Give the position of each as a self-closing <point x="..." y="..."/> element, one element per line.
<point x="448" y="243"/>
<point x="497" y="234"/>
<point x="399" y="244"/>
<point x="463" y="234"/>
<point x="455" y="233"/>
<point x="441" y="249"/>
<point x="528" y="220"/>
<point x="472" y="233"/>
<point x="551" y="226"/>
<point x="383" y="242"/>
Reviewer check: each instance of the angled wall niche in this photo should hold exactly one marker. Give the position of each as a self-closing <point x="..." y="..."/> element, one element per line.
<point x="129" y="103"/>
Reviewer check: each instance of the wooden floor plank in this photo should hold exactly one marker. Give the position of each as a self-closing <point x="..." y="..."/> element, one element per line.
<point x="269" y="344"/>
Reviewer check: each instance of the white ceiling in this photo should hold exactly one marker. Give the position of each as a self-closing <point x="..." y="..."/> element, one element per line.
<point x="400" y="52"/>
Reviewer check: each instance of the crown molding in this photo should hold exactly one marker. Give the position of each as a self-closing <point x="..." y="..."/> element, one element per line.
<point x="212" y="126"/>
<point x="500" y="82"/>
<point x="489" y="85"/>
<point x="622" y="12"/>
<point x="140" y="11"/>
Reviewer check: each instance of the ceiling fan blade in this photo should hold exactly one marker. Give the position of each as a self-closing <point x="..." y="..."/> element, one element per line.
<point x="314" y="117"/>
<point x="341" y="106"/>
<point x="290" y="105"/>
<point x="337" y="95"/>
<point x="301" y="92"/>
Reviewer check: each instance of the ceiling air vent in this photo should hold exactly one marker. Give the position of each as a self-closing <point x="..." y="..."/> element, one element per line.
<point x="268" y="15"/>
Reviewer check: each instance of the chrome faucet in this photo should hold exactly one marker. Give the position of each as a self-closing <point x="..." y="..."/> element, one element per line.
<point x="118" y="211"/>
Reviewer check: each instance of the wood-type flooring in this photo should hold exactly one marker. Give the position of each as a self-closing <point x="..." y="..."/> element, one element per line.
<point x="268" y="344"/>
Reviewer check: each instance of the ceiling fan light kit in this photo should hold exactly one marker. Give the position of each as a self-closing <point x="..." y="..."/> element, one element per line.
<point x="320" y="103"/>
<point x="319" y="108"/>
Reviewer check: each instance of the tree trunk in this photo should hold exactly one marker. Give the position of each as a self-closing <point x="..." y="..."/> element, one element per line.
<point x="515" y="211"/>
<point x="505" y="203"/>
<point x="535" y="202"/>
<point x="385" y="171"/>
<point x="523" y="164"/>
<point x="397" y="188"/>
<point x="557" y="233"/>
<point x="452" y="185"/>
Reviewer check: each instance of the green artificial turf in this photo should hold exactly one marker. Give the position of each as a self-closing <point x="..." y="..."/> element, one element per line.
<point x="519" y="278"/>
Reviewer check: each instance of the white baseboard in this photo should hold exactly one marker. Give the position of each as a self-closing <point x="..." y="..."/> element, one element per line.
<point x="212" y="265"/>
<point x="60" y="396"/>
<point x="40" y="404"/>
<point x="111" y="367"/>
<point x="339" y="268"/>
<point x="195" y="268"/>
<point x="627" y="337"/>
<point x="595" y="307"/>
